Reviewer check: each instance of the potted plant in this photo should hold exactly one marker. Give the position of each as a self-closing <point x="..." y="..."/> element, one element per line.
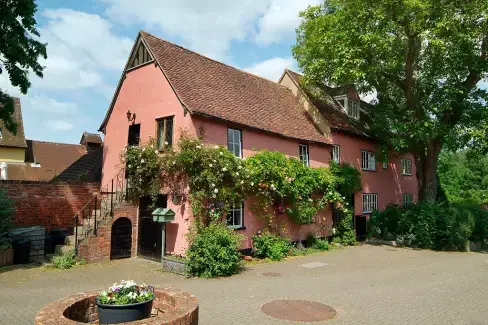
<point x="125" y="302"/>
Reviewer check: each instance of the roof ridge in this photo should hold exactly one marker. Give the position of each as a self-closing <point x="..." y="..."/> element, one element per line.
<point x="208" y="58"/>
<point x="63" y="143"/>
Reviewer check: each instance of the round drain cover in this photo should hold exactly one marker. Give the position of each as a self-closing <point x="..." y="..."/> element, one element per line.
<point x="272" y="274"/>
<point x="298" y="310"/>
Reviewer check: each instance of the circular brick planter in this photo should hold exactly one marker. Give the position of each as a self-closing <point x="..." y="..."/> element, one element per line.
<point x="170" y="306"/>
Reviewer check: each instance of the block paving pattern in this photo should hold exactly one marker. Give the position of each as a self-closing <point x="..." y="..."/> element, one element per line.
<point x="377" y="285"/>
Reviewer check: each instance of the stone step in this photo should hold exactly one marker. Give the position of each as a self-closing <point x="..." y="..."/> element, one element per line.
<point x="70" y="240"/>
<point x="63" y="249"/>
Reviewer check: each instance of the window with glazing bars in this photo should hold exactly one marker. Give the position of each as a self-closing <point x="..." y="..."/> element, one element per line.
<point x="368" y="160"/>
<point x="235" y="216"/>
<point x="336" y="153"/>
<point x="370" y="202"/>
<point x="234" y="141"/>
<point x="406" y="166"/>
<point x="165" y="133"/>
<point x="407" y="198"/>
<point x="303" y="151"/>
<point x="353" y="109"/>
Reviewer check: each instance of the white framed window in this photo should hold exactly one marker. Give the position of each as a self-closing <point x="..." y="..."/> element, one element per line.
<point x="234" y="141"/>
<point x="235" y="216"/>
<point x="406" y="166"/>
<point x="368" y="160"/>
<point x="370" y="202"/>
<point x="385" y="165"/>
<point x="1" y="134"/>
<point x="407" y="198"/>
<point x="303" y="152"/>
<point x="351" y="106"/>
<point x="336" y="153"/>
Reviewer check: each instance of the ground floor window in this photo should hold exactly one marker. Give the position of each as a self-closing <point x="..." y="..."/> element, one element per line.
<point x="407" y="198"/>
<point x="370" y="202"/>
<point x="235" y="217"/>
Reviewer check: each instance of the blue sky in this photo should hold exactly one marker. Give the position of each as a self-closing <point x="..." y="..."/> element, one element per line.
<point x="89" y="42"/>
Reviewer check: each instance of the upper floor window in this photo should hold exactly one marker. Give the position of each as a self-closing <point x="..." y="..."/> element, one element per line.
<point x="1" y="134"/>
<point x="406" y="166"/>
<point x="350" y="105"/>
<point x="303" y="151"/>
<point x="165" y="133"/>
<point x="368" y="160"/>
<point x="234" y="141"/>
<point x="370" y="202"/>
<point x="407" y="198"/>
<point x="336" y="153"/>
<point x="385" y="164"/>
<point x="134" y="135"/>
<point x="235" y="216"/>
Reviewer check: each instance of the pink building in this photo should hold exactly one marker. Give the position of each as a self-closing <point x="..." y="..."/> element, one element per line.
<point x="165" y="89"/>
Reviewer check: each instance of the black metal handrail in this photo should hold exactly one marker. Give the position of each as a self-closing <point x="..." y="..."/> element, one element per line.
<point x="100" y="206"/>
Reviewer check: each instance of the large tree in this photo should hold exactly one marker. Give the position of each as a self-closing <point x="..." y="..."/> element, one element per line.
<point x="19" y="51"/>
<point x="423" y="58"/>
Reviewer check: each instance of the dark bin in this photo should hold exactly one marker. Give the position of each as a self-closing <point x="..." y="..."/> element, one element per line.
<point x="49" y="245"/>
<point x="58" y="236"/>
<point x="21" y="250"/>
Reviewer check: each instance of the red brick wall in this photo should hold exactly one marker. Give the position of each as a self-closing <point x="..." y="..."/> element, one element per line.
<point x="94" y="249"/>
<point x="48" y="204"/>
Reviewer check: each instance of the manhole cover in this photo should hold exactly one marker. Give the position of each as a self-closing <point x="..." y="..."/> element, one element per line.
<point x="298" y="310"/>
<point x="313" y="265"/>
<point x="272" y="274"/>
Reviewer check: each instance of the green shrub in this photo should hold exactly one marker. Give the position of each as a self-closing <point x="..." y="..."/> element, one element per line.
<point x="268" y="245"/>
<point x="7" y="210"/>
<point x="430" y="225"/>
<point x="321" y="244"/>
<point x="213" y="251"/>
<point x="65" y="261"/>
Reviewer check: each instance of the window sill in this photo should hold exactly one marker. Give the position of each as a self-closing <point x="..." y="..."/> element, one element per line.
<point x="237" y="228"/>
<point x="368" y="170"/>
<point x="406" y="174"/>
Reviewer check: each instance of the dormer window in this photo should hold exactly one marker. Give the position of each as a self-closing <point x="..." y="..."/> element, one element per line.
<point x="350" y="105"/>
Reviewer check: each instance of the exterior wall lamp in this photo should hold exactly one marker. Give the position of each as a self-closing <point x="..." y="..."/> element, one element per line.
<point x="131" y="117"/>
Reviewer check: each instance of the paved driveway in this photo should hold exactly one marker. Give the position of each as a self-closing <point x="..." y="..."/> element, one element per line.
<point x="366" y="285"/>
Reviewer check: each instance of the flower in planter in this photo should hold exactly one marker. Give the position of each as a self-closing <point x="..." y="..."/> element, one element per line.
<point x="125" y="293"/>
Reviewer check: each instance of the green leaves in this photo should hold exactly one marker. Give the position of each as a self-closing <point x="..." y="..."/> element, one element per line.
<point x="19" y="49"/>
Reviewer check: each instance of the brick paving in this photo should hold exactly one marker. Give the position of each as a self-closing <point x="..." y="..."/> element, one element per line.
<point x="366" y="285"/>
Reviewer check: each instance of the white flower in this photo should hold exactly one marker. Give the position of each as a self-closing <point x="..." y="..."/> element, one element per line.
<point x="216" y="147"/>
<point x="199" y="146"/>
<point x="156" y="151"/>
<point x="221" y="153"/>
<point x="237" y="174"/>
<point x="216" y="191"/>
<point x="142" y="161"/>
<point x="214" y="196"/>
<point x="103" y="293"/>
<point x="239" y="167"/>
<point x="210" y="165"/>
<point x="166" y="142"/>
<point x="242" y="182"/>
<point x="252" y="183"/>
<point x="213" y="185"/>
<point x="224" y="169"/>
<point x="129" y="166"/>
<point x="214" y="160"/>
<point x="174" y="162"/>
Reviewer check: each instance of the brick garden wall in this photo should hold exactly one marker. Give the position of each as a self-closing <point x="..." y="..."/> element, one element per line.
<point x="48" y="204"/>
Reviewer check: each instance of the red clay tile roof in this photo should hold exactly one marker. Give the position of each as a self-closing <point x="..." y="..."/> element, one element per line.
<point x="8" y="139"/>
<point x="91" y="138"/>
<point x="331" y="110"/>
<point x="212" y="89"/>
<point x="54" y="159"/>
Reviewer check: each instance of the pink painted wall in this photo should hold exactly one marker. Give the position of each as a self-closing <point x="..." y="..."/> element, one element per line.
<point x="146" y="92"/>
<point x="389" y="183"/>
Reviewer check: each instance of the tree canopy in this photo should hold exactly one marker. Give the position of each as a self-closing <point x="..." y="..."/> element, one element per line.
<point x="463" y="176"/>
<point x="19" y="51"/>
<point x="424" y="59"/>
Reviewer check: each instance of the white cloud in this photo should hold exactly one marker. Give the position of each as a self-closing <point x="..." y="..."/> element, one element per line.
<point x="280" y="20"/>
<point x="59" y="125"/>
<point x="272" y="68"/>
<point x="205" y="26"/>
<point x="210" y="26"/>
<point x="80" y="48"/>
<point x="50" y="106"/>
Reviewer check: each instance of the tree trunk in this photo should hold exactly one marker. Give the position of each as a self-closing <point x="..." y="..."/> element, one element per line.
<point x="426" y="164"/>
